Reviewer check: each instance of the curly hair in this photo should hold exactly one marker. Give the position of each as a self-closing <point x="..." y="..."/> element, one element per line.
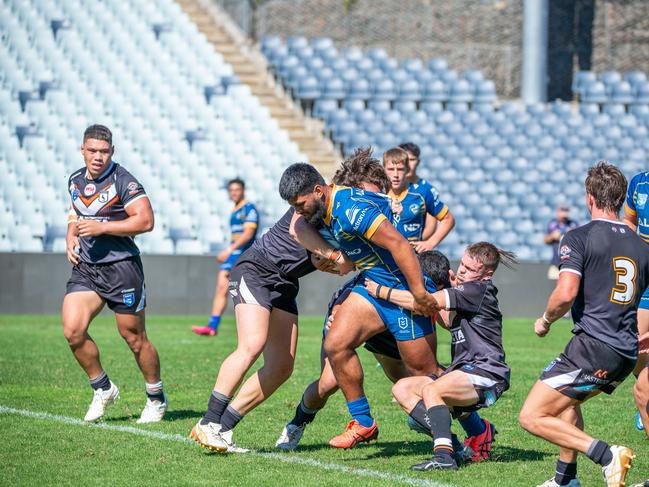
<point x="361" y="167"/>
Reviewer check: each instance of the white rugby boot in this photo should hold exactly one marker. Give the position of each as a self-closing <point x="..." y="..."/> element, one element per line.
<point x="100" y="401"/>
<point x="552" y="483"/>
<point x="290" y="437"/>
<point x="153" y="411"/>
<point x="615" y="472"/>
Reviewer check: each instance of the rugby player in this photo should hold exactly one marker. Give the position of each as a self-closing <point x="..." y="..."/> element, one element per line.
<point x="478" y="374"/>
<point x="603" y="272"/>
<point x="264" y="284"/>
<point x="440" y="226"/>
<point x="357" y="220"/>
<point x="109" y="207"/>
<point x="244" y="221"/>
<point x="636" y="216"/>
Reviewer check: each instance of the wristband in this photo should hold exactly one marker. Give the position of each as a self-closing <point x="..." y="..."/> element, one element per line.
<point x="387" y="298"/>
<point x="378" y="291"/>
<point x="334" y="255"/>
<point x="545" y="319"/>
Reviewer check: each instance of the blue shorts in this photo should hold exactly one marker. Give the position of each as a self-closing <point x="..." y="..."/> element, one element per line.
<point x="402" y="323"/>
<point x="234" y="256"/>
<point x="644" y="300"/>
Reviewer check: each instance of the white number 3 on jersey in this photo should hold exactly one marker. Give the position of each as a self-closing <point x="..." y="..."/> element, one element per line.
<point x="625" y="274"/>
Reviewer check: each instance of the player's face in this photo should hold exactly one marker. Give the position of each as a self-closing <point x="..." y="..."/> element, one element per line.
<point x="311" y="206"/>
<point x="413" y="162"/>
<point x="471" y="269"/>
<point x="96" y="154"/>
<point x="236" y="192"/>
<point x="397" y="175"/>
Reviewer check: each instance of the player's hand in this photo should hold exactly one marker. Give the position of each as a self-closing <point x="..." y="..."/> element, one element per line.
<point x="452" y="278"/>
<point x="324" y="265"/>
<point x="396" y="206"/>
<point x="91" y="228"/>
<point x="541" y="328"/>
<point x="330" y="318"/>
<point x="344" y="264"/>
<point x="223" y="255"/>
<point x="422" y="246"/>
<point x="72" y="249"/>
<point x="425" y="305"/>
<point x="643" y="344"/>
<point x="371" y="287"/>
<point x="557" y="235"/>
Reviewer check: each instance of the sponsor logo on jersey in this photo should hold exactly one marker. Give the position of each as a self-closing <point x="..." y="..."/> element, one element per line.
<point x="353" y="252"/>
<point x="355" y="216"/>
<point x="75" y="194"/>
<point x="642" y="200"/>
<point x="457" y="336"/>
<point x="90" y="189"/>
<point x="564" y="252"/>
<point x="414" y="208"/>
<point x="411" y="227"/>
<point x="103" y="197"/>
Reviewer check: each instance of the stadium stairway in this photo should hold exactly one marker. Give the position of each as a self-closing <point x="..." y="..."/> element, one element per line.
<point x="249" y="66"/>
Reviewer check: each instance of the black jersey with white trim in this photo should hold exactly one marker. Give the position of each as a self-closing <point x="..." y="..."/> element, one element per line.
<point x="613" y="264"/>
<point x="104" y="199"/>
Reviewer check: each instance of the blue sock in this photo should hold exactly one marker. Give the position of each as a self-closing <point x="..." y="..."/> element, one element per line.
<point x="215" y="320"/>
<point x="360" y="411"/>
<point x="473" y="424"/>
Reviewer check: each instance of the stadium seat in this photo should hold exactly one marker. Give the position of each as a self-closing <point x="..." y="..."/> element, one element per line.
<point x="595" y="93"/>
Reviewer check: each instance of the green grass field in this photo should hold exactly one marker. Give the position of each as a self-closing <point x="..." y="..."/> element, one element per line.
<point x="38" y="374"/>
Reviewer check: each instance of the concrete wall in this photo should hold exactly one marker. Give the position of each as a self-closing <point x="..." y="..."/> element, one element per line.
<point x="184" y="285"/>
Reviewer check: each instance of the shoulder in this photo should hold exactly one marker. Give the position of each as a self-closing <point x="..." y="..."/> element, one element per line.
<point x="78" y="173"/>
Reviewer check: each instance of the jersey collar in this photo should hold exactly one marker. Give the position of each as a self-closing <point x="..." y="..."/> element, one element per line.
<point x="401" y="197"/>
<point x="617" y="222"/>
<point x="103" y="175"/>
<point x="239" y="205"/>
<point x="332" y="195"/>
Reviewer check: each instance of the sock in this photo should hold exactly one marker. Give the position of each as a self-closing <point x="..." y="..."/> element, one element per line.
<point x="215" y="407"/>
<point x="154" y="391"/>
<point x="360" y="411"/>
<point x="420" y="415"/>
<point x="214" y="323"/>
<point x="599" y="452"/>
<point x="100" y="382"/>
<point x="565" y="472"/>
<point x="230" y="419"/>
<point x="473" y="424"/>
<point x="303" y="414"/>
<point x="440" y="422"/>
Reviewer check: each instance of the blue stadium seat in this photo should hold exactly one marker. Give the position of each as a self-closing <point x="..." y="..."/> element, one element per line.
<point x="435" y="92"/>
<point x="438" y="65"/>
<point x="359" y="90"/>
<point x="406" y="106"/>
<point x="354" y="105"/>
<point x="384" y="90"/>
<point x="485" y="92"/>
<point x="379" y="106"/>
<point x="635" y="78"/>
<point x="595" y="93"/>
<point x="621" y="92"/>
<point x="334" y="89"/>
<point x="642" y="93"/>
<point x="581" y="80"/>
<point x="409" y="91"/>
<point x="308" y="88"/>
<point x="610" y="78"/>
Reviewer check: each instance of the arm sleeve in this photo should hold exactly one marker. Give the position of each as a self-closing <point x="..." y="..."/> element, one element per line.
<point x="550" y="228"/>
<point x="362" y="218"/>
<point x="465" y="298"/>
<point x="252" y="217"/>
<point x="129" y="189"/>
<point x="434" y="205"/>
<point x="430" y="285"/>
<point x="630" y="195"/>
<point x="571" y="252"/>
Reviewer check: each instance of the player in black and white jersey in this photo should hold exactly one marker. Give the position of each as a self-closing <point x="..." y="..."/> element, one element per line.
<point x="603" y="272"/>
<point x="109" y="207"/>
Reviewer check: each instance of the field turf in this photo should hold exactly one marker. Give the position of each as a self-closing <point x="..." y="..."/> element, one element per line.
<point x="44" y="394"/>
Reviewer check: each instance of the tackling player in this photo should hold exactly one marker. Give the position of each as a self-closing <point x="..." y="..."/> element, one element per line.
<point x="244" y="221"/>
<point x="109" y="207"/>
<point x="478" y="374"/>
<point x="636" y="216"/>
<point x="358" y="222"/>
<point x="603" y="272"/>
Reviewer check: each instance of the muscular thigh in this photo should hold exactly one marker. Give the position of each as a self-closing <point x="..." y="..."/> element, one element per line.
<point x="355" y="321"/>
<point x="79" y="308"/>
<point x="281" y="343"/>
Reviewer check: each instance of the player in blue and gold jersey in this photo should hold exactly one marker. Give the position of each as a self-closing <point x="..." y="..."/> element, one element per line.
<point x="243" y="225"/>
<point x="359" y="222"/>
<point x="440" y="221"/>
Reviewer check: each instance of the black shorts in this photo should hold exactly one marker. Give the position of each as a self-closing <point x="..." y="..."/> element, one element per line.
<point x="384" y="344"/>
<point x="585" y="366"/>
<point x="120" y="284"/>
<point x="254" y="280"/>
<point x="488" y="386"/>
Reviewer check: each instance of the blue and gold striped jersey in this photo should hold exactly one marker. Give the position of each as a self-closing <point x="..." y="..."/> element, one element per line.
<point x="412" y="220"/>
<point x="353" y="216"/>
<point x="243" y="215"/>
<point x="435" y="206"/>
<point x="637" y="204"/>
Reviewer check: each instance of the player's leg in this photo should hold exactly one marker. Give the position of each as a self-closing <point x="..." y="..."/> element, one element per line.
<point x="393" y="369"/>
<point x="641" y="395"/>
<point x="408" y="392"/>
<point x="643" y="352"/>
<point x="355" y="322"/>
<point x="219" y="304"/>
<point x="419" y="355"/>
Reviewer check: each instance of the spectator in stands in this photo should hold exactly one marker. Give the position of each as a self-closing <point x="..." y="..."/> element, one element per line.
<point x="557" y="228"/>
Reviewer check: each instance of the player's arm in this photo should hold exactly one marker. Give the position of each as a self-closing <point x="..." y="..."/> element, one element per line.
<point x="559" y="303"/>
<point x="140" y="220"/>
<point x="72" y="238"/>
<point x="400" y="297"/>
<point x="442" y="229"/>
<point x="630" y="218"/>
<point x="552" y="235"/>
<point x="630" y="210"/>
<point x="429" y="227"/>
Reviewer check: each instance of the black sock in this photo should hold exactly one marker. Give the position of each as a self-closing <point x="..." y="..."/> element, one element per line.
<point x="230" y="419"/>
<point x="565" y="472"/>
<point x="303" y="414"/>
<point x="599" y="452"/>
<point x="215" y="407"/>
<point x="420" y="415"/>
<point x="100" y="382"/>
<point x="440" y="426"/>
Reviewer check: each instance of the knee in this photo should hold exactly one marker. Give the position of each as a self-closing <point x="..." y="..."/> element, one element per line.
<point x="75" y="336"/>
<point x="641" y="391"/>
<point x="400" y="390"/>
<point x="327" y="385"/>
<point x="282" y="369"/>
<point x="250" y="350"/>
<point x="135" y="341"/>
<point x="527" y="420"/>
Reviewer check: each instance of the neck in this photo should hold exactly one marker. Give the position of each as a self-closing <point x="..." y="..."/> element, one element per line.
<point x="328" y="191"/>
<point x="398" y="191"/>
<point x="597" y="214"/>
<point x="414" y="179"/>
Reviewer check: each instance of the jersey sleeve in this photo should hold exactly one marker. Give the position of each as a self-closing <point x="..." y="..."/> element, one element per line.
<point x="552" y="226"/>
<point x="129" y="189"/>
<point x="252" y="217"/>
<point x="571" y="252"/>
<point x="630" y="206"/>
<point x="434" y="205"/>
<point x="465" y="298"/>
<point x="363" y="218"/>
<point x="430" y="285"/>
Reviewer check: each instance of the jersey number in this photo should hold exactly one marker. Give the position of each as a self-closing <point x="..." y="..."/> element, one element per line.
<point x="625" y="273"/>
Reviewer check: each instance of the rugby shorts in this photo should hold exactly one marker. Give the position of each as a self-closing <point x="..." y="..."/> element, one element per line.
<point x="254" y="280"/>
<point x="120" y="284"/>
<point x="644" y="300"/>
<point x="488" y="386"/>
<point x="585" y="366"/>
<point x="231" y="260"/>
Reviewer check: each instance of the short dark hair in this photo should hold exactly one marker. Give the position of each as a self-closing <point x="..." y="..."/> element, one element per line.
<point x="490" y="255"/>
<point x="98" y="132"/>
<point x="412" y="148"/>
<point x="361" y="167"/>
<point x="436" y="266"/>
<point x="299" y="179"/>
<point x="238" y="181"/>
<point x="607" y="185"/>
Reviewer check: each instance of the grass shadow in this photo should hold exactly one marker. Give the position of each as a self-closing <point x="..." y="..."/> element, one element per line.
<point x="173" y="415"/>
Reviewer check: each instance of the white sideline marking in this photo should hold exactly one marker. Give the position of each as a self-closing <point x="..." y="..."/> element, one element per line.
<point x="285" y="458"/>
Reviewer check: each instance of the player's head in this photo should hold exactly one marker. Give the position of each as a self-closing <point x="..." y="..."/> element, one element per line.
<point x="563" y="212"/>
<point x="605" y="188"/>
<point x="305" y="190"/>
<point x="480" y="261"/>
<point x="413" y="157"/>
<point x="363" y="171"/>
<point x="97" y="149"/>
<point x="436" y="266"/>
<point x="236" y="190"/>
<point x="395" y="162"/>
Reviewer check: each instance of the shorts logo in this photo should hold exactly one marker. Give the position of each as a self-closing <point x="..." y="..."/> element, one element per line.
<point x="90" y="189"/>
<point x="402" y="322"/>
<point x="600" y="373"/>
<point x="489" y="398"/>
<point x="550" y="365"/>
<point x="103" y="197"/>
<point x="128" y="298"/>
<point x="468" y="367"/>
